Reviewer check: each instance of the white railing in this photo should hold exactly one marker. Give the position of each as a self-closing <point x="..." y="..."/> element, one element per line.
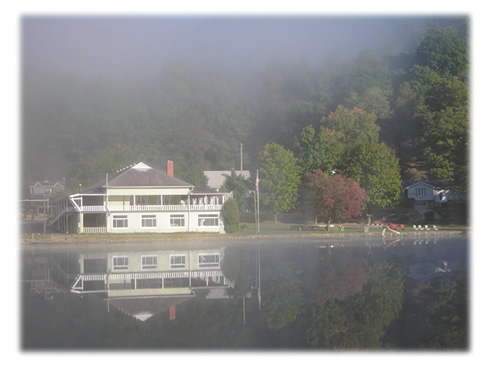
<point x="94" y="229"/>
<point x="101" y="208"/>
<point x="92" y="208"/>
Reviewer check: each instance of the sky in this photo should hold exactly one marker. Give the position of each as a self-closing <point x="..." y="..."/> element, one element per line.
<point x="122" y="45"/>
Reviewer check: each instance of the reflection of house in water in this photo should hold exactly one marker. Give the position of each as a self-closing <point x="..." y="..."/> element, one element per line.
<point x="143" y="283"/>
<point x="423" y="271"/>
<point x="47" y="274"/>
<point x="430" y="261"/>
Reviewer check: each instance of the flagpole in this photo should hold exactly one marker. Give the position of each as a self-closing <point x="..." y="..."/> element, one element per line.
<point x="257" y="195"/>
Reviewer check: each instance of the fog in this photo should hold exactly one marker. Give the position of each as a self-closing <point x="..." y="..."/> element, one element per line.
<point x="140" y="45"/>
<point x="90" y="84"/>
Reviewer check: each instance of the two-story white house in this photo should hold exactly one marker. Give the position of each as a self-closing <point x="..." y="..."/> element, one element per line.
<point x="140" y="199"/>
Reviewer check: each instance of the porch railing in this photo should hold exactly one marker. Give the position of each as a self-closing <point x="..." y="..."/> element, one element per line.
<point x="101" y="208"/>
<point x="94" y="230"/>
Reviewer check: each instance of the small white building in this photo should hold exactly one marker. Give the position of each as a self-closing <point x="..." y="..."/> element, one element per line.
<point x="216" y="178"/>
<point x="140" y="199"/>
<point x="44" y="189"/>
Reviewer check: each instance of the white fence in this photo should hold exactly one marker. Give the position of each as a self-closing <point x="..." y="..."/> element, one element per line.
<point x="94" y="230"/>
<point x="101" y="208"/>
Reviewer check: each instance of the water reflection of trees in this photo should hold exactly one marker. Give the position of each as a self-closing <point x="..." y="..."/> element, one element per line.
<point x="342" y="274"/>
<point x="337" y="298"/>
<point x="282" y="297"/>
<point x="355" y="317"/>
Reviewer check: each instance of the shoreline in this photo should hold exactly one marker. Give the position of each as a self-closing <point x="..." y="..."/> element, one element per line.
<point x="57" y="242"/>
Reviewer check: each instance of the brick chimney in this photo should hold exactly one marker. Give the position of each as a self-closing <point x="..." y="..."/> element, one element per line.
<point x="169" y="168"/>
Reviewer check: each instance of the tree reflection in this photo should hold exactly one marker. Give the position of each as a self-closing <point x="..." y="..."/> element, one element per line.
<point x="342" y="274"/>
<point x="340" y="298"/>
<point x="282" y="297"/>
<point x="357" y="320"/>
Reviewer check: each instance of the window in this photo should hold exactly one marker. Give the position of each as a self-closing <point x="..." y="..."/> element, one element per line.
<point x="120" y="262"/>
<point x="148" y="221"/>
<point x="208" y="220"/>
<point x="420" y="192"/>
<point x="177" y="261"/>
<point x="120" y="221"/>
<point x="177" y="220"/>
<point x="146" y="200"/>
<point x="208" y="260"/>
<point x="149" y="262"/>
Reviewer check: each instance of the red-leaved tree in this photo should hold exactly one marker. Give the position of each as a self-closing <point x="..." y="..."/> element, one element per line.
<point x="331" y="197"/>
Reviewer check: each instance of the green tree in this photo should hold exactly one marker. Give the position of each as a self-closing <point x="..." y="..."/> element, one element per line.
<point x="403" y="130"/>
<point x="93" y="167"/>
<point x="279" y="178"/>
<point x="239" y="187"/>
<point x="376" y="168"/>
<point x="441" y="105"/>
<point x="230" y="214"/>
<point x="317" y="150"/>
<point x="444" y="51"/>
<point x="355" y="124"/>
<point x="445" y="133"/>
<point x="361" y="74"/>
<point x="373" y="100"/>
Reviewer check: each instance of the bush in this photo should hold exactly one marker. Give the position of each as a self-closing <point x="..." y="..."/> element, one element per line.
<point x="230" y="213"/>
<point x="429" y="216"/>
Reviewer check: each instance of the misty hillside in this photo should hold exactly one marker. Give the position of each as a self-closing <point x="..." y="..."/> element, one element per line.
<point x="98" y="95"/>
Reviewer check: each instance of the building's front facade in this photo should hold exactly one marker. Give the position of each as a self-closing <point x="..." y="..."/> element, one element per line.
<point x="140" y="199"/>
<point x="45" y="189"/>
<point x="430" y="193"/>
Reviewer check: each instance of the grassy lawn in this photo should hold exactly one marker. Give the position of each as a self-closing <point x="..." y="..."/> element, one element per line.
<point x="269" y="228"/>
<point x="247" y="230"/>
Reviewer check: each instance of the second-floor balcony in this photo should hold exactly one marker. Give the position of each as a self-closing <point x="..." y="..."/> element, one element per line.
<point x="130" y="208"/>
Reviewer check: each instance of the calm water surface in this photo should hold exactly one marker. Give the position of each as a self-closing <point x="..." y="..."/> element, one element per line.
<point x="371" y="293"/>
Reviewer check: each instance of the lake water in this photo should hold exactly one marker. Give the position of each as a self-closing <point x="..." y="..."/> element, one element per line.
<point x="306" y="294"/>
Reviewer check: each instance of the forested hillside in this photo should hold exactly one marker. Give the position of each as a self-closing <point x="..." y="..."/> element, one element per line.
<point x="415" y="104"/>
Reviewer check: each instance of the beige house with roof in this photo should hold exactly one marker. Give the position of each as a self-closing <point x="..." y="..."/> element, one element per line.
<point x="140" y="199"/>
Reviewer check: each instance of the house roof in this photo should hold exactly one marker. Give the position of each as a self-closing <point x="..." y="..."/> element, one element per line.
<point x="143" y="308"/>
<point x="216" y="178"/>
<point x="434" y="184"/>
<point x="45" y="184"/>
<point x="140" y="175"/>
